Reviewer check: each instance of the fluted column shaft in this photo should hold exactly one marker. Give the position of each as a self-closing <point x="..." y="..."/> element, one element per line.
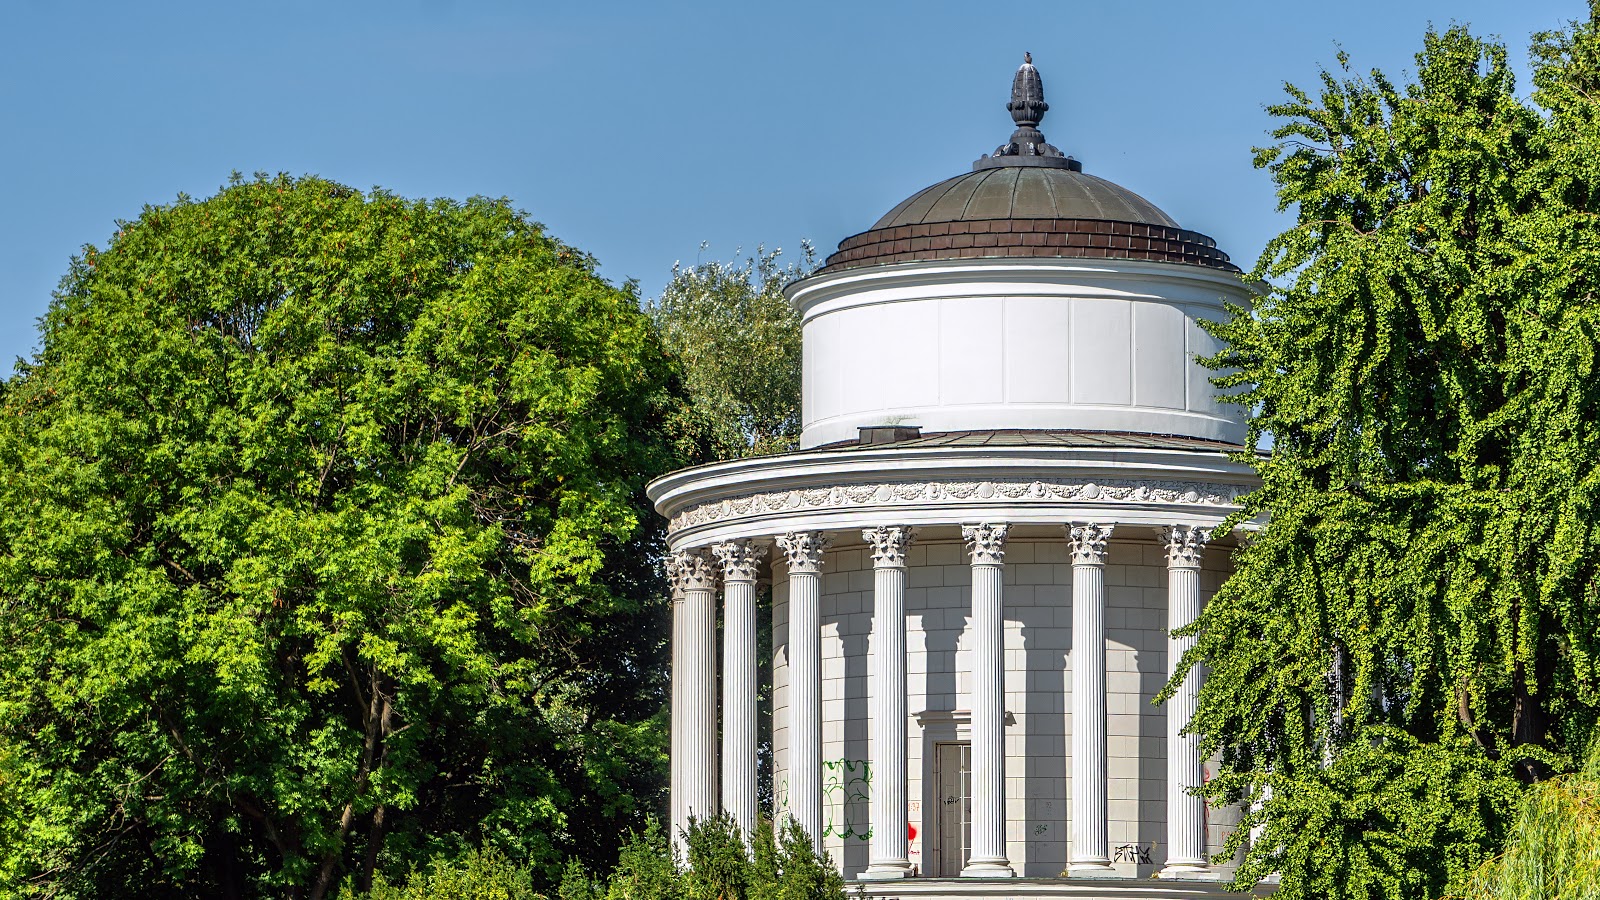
<point x="740" y="559"/>
<point x="803" y="550"/>
<point x="988" y="859"/>
<point x="1089" y="838"/>
<point x="678" y="785"/>
<point x="1186" y="813"/>
<point x="700" y="690"/>
<point x="891" y="853"/>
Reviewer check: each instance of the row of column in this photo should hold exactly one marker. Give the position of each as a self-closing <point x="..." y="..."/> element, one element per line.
<point x="694" y="575"/>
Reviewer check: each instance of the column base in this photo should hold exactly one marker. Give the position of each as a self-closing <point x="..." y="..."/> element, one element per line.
<point x="886" y="871"/>
<point x="1189" y="872"/>
<point x="1091" y="868"/>
<point x="988" y="868"/>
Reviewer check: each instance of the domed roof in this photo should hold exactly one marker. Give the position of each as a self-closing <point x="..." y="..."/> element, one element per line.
<point x="1024" y="192"/>
<point x="1028" y="200"/>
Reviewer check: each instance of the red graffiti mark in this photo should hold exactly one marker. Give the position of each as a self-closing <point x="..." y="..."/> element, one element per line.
<point x="911" y="832"/>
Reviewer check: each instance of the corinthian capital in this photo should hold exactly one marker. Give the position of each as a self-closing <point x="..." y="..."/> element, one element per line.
<point x="986" y="543"/>
<point x="803" y="551"/>
<point x="691" y="570"/>
<point x="1185" y="544"/>
<point x="1089" y="543"/>
<point x="889" y="545"/>
<point x="741" y="557"/>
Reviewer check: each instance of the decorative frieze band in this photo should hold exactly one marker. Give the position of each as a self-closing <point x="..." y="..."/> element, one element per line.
<point x="922" y="493"/>
<point x="888" y="545"/>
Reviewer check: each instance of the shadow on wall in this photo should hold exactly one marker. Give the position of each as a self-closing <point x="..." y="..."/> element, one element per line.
<point x="1045" y="642"/>
<point x="1136" y="662"/>
<point x="780" y="694"/>
<point x="847" y="778"/>
<point x="941" y="605"/>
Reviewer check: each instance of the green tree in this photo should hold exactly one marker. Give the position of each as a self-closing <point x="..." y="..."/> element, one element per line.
<point x="1410" y="641"/>
<point x="738" y="340"/>
<point x="730" y="327"/>
<point x="323" y="549"/>
<point x="1554" y="853"/>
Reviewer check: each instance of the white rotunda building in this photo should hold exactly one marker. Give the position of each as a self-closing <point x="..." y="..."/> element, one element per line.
<point x="1005" y="498"/>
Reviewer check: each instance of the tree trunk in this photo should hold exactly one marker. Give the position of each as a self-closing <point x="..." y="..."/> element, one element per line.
<point x="1527" y="723"/>
<point x="374" y="848"/>
<point x="377" y="714"/>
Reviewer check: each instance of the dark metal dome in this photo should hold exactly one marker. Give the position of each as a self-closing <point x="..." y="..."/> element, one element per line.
<point x="1024" y="192"/>
<point x="1030" y="200"/>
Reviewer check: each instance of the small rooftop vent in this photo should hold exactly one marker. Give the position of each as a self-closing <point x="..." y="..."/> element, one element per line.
<point x="888" y="434"/>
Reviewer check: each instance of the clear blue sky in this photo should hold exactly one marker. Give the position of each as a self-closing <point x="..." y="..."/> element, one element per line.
<point x="636" y="131"/>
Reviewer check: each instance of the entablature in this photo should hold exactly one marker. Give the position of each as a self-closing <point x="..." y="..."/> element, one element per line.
<point x="833" y="491"/>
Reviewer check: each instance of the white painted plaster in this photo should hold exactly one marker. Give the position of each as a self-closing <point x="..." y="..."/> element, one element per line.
<point x="1104" y="345"/>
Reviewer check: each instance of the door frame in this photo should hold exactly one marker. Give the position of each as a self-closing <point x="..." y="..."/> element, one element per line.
<point x="937" y="727"/>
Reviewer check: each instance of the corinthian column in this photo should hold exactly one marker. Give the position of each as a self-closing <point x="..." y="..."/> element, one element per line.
<point x="1089" y="844"/>
<point x="1186" y="813"/>
<point x="803" y="550"/>
<point x="890" y="851"/>
<point x="987" y="544"/>
<point x="740" y="558"/>
<point x="699" y="669"/>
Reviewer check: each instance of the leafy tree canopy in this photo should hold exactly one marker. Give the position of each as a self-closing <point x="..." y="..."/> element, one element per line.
<point x="1411" y="641"/>
<point x="323" y="549"/>
<point x="738" y="340"/>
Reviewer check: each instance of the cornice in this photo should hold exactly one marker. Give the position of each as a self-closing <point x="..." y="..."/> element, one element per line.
<point x="855" y="489"/>
<point x="918" y="281"/>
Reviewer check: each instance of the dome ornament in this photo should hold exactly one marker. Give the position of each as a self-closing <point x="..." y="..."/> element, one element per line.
<point x="1027" y="146"/>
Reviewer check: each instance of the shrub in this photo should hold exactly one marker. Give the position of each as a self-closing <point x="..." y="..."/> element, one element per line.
<point x="777" y="864"/>
<point x="645" y="868"/>
<point x="479" y="875"/>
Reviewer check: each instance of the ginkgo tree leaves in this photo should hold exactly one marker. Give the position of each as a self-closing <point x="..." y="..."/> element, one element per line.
<point x="1410" y="640"/>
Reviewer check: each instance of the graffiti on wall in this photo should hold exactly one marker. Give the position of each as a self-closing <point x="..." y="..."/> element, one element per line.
<point x="846" y="799"/>
<point x="1142" y="854"/>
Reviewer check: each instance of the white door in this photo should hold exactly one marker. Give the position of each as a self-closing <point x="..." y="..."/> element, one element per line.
<point x="953" y="775"/>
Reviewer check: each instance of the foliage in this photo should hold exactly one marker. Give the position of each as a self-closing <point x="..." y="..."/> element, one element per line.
<point x="476" y="875"/>
<point x="803" y="872"/>
<point x="1554" y="852"/>
<point x="645" y="868"/>
<point x="323" y="548"/>
<point x="1411" y="639"/>
<point x="738" y="340"/>
<point x="719" y="865"/>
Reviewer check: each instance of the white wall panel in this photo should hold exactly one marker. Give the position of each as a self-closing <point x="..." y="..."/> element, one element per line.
<point x="1038" y="350"/>
<point x="1160" y="364"/>
<point x="1102" y="352"/>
